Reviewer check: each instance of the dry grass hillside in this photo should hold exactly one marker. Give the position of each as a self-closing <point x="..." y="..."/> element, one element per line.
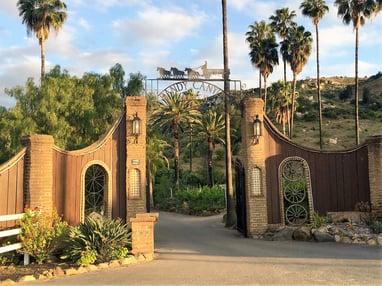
<point x="338" y="114"/>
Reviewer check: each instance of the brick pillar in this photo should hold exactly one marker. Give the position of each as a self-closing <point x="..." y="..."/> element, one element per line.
<point x="374" y="148"/>
<point x="38" y="182"/>
<point x="135" y="158"/>
<point x="142" y="233"/>
<point x="254" y="168"/>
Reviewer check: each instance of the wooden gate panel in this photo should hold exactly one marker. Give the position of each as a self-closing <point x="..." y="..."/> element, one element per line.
<point x="339" y="179"/>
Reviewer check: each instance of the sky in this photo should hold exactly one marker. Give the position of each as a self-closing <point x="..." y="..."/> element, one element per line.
<point x="144" y="34"/>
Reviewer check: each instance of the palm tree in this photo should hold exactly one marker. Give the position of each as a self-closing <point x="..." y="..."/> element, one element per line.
<point x="281" y="103"/>
<point x="296" y="49"/>
<point x="155" y="158"/>
<point x="257" y="32"/>
<point x="280" y="23"/>
<point x="174" y="111"/>
<point x="231" y="215"/>
<point x="40" y="16"/>
<point x="316" y="9"/>
<point x="357" y="11"/>
<point x="211" y="128"/>
<point x="264" y="55"/>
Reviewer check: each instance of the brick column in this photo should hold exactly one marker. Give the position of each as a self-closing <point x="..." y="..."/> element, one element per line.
<point x="374" y="148"/>
<point x="135" y="157"/>
<point x="142" y="233"/>
<point x="254" y="168"/>
<point x="38" y="181"/>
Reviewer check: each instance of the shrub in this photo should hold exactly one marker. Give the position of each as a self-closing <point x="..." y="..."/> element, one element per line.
<point x="41" y="233"/>
<point x="317" y="220"/>
<point x="201" y="199"/>
<point x="97" y="240"/>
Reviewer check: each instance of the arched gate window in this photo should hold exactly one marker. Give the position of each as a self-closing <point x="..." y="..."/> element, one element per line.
<point x="96" y="190"/>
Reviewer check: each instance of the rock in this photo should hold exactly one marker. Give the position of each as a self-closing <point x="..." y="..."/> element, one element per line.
<point x="379" y="240"/>
<point x="7" y="282"/>
<point x="371" y="242"/>
<point x="114" y="263"/>
<point x="103" y="265"/>
<point x="284" y="234"/>
<point x="71" y="271"/>
<point x="26" y="278"/>
<point x="141" y="258"/>
<point x="81" y="270"/>
<point x="91" y="267"/>
<point x="346" y="239"/>
<point x="323" y="237"/>
<point x="302" y="234"/>
<point x="337" y="238"/>
<point x="59" y="272"/>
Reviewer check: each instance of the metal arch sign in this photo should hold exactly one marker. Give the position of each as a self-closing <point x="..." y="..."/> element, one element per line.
<point x="203" y="87"/>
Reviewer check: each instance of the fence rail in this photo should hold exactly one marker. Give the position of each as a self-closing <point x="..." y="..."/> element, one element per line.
<point x="10" y="232"/>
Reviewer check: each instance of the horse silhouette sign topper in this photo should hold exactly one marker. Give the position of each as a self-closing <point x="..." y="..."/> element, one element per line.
<point x="189" y="73"/>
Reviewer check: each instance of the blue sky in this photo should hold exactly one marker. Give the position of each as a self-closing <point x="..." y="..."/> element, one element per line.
<point x="144" y="34"/>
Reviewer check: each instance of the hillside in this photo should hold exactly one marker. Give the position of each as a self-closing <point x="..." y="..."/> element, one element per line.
<point x="338" y="113"/>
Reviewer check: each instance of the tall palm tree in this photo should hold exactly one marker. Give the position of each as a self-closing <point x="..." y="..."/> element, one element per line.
<point x="264" y="56"/>
<point x="231" y="214"/>
<point x="296" y="49"/>
<point x="280" y="23"/>
<point x="40" y="16"/>
<point x="357" y="11"/>
<point x="316" y="9"/>
<point x="258" y="31"/>
<point x="211" y="128"/>
<point x="174" y="111"/>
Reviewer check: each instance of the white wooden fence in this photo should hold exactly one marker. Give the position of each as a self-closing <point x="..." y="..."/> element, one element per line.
<point x="10" y="232"/>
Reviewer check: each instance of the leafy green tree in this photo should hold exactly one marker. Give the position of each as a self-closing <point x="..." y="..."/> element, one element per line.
<point x="356" y="12"/>
<point x="40" y="16"/>
<point x="135" y="85"/>
<point x="316" y="9"/>
<point x="281" y="21"/>
<point x="211" y="129"/>
<point x="76" y="111"/>
<point x="296" y="49"/>
<point x="117" y="73"/>
<point x="174" y="112"/>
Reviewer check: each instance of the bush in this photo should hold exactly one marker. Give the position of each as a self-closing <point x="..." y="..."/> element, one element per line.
<point x="97" y="240"/>
<point x="201" y="199"/>
<point x="41" y="233"/>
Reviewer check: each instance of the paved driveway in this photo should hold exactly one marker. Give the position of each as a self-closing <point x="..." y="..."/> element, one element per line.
<point x="200" y="251"/>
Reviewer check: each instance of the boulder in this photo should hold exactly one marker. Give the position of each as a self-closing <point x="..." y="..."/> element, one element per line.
<point x="302" y="234"/>
<point x="323" y="237"/>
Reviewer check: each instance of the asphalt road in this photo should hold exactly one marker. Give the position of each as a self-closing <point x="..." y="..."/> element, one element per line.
<point x="200" y="251"/>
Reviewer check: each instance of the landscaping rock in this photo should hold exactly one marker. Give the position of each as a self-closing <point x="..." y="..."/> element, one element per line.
<point x="7" y="282"/>
<point x="59" y="272"/>
<point x="285" y="233"/>
<point x="114" y="263"/>
<point x="323" y="237"/>
<point x="103" y="265"/>
<point x="27" y="278"/>
<point x="302" y="234"/>
<point x="371" y="242"/>
<point x="90" y="268"/>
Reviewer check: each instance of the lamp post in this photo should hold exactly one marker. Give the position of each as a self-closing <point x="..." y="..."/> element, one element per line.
<point x="136" y="127"/>
<point x="257" y="130"/>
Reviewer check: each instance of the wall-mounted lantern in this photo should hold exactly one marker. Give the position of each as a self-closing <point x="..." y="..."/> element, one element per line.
<point x="136" y="127"/>
<point x="257" y="130"/>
